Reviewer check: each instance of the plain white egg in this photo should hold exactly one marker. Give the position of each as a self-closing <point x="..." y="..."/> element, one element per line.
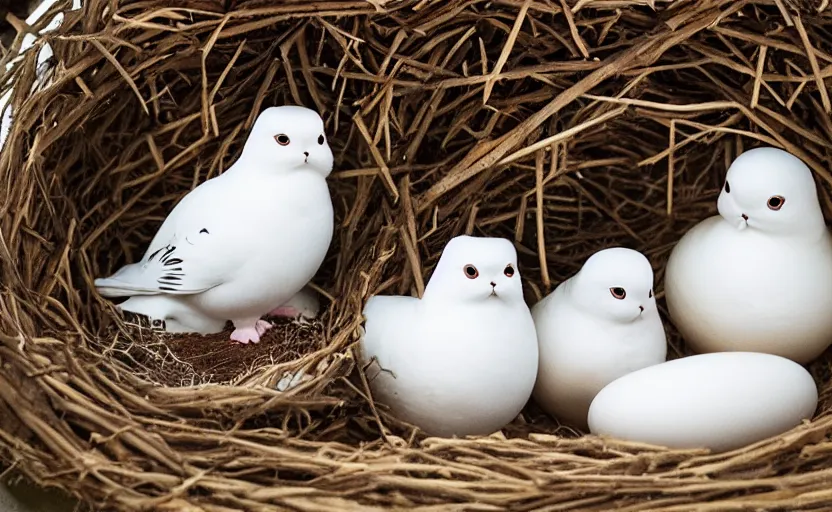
<point x="720" y="401"/>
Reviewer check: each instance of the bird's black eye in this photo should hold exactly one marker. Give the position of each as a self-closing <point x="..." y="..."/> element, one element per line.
<point x="282" y="139"/>
<point x="618" y="292"/>
<point x="727" y="187"/>
<point x="321" y="140"/>
<point x="471" y="271"/>
<point x="650" y="295"/>
<point x="775" y="202"/>
<point x="509" y="270"/>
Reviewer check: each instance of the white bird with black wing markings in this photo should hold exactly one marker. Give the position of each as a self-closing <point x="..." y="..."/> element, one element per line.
<point x="244" y="243"/>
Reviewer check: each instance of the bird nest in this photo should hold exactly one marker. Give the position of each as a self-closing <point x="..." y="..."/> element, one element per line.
<point x="565" y="126"/>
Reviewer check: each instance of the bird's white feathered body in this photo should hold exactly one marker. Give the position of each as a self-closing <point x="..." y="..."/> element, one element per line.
<point x="240" y="263"/>
<point x="730" y="290"/>
<point x="455" y="364"/>
<point x="236" y="247"/>
<point x="759" y="283"/>
<point x="589" y="338"/>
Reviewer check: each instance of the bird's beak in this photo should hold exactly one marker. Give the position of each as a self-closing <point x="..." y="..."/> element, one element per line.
<point x="493" y="289"/>
<point x="743" y="222"/>
<point x="729" y="211"/>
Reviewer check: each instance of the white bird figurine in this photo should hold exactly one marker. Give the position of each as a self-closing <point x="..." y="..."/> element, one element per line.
<point x="462" y="359"/>
<point x="244" y="243"/>
<point x="758" y="276"/>
<point x="598" y="325"/>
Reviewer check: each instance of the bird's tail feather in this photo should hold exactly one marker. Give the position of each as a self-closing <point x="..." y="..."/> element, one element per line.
<point x="125" y="282"/>
<point x="112" y="287"/>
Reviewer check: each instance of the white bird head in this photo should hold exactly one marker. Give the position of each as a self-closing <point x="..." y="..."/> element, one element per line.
<point x="615" y="284"/>
<point x="289" y="138"/>
<point x="476" y="269"/>
<point x="773" y="191"/>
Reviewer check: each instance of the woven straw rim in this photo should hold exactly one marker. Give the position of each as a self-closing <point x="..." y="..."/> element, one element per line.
<point x="606" y="123"/>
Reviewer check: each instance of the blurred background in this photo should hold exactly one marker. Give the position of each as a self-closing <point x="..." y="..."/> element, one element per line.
<point x="18" y="8"/>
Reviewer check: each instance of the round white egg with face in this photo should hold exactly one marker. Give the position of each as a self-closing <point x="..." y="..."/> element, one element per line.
<point x="757" y="277"/>
<point x="462" y="360"/>
<point x="720" y="401"/>
<point x="596" y="326"/>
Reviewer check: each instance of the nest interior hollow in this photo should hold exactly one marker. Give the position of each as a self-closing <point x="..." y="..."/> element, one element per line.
<point x="565" y="126"/>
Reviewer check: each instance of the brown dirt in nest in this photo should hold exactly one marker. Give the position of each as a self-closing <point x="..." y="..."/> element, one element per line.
<point x="215" y="358"/>
<point x="185" y="359"/>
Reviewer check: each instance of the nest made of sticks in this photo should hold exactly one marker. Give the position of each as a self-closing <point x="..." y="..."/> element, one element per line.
<point x="567" y="126"/>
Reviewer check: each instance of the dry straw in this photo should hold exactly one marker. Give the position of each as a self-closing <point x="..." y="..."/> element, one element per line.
<point x="566" y="126"/>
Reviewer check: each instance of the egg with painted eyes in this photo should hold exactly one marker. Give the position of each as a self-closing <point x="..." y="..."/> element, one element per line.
<point x="596" y="326"/>
<point x="462" y="359"/>
<point x="758" y="276"/>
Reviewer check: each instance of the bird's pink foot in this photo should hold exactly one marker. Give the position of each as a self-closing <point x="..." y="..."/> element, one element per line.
<point x="285" y="311"/>
<point x="245" y="335"/>
<point x="262" y="326"/>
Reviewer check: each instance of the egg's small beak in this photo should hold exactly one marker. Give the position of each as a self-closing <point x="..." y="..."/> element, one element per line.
<point x="743" y="223"/>
<point x="731" y="212"/>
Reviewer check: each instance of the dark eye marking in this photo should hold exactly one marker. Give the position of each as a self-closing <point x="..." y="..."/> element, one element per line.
<point x="321" y="140"/>
<point x="471" y="271"/>
<point x="282" y="139"/>
<point x="509" y="270"/>
<point x="203" y="230"/>
<point x="727" y="187"/>
<point x="618" y="292"/>
<point x="775" y="202"/>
